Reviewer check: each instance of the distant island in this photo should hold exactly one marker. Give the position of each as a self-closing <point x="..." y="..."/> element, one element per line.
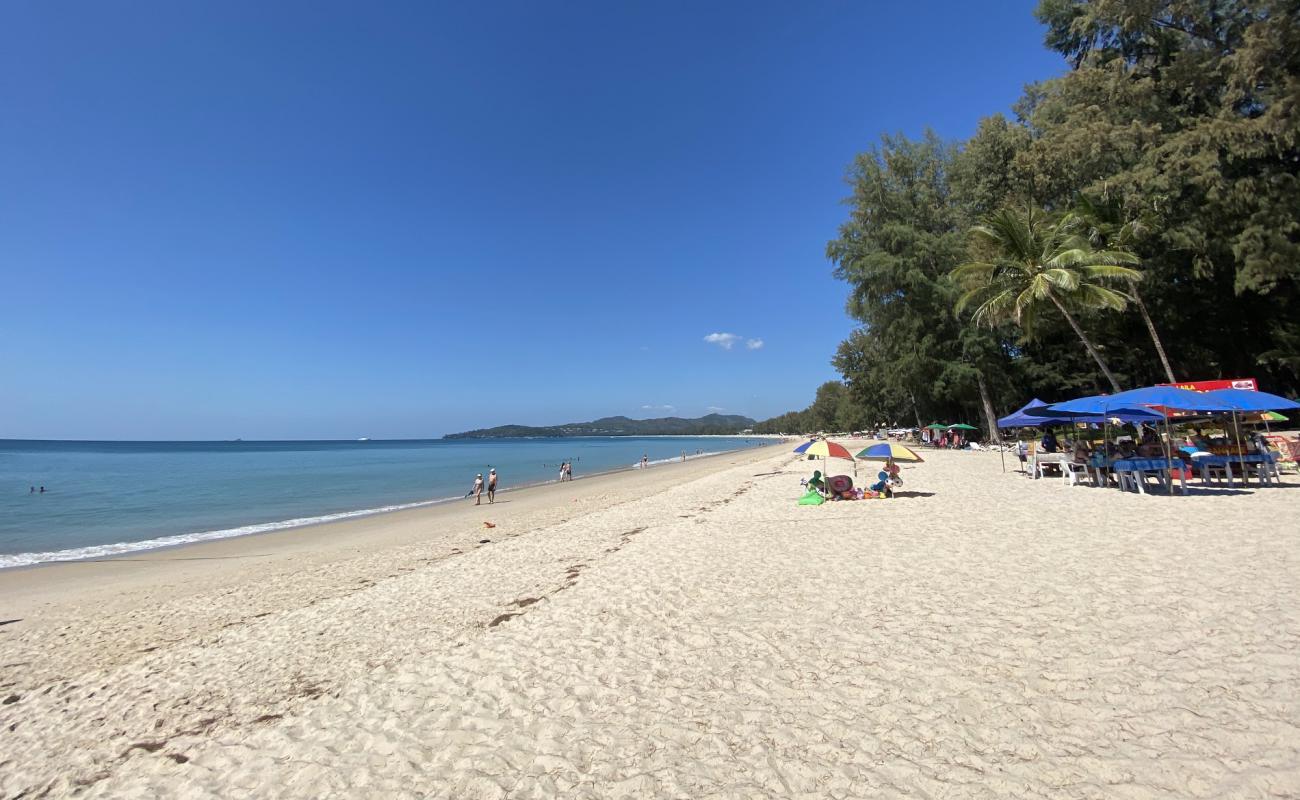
<point x="709" y="425"/>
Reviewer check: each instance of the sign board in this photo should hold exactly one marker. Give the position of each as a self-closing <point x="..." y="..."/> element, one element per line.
<point x="1206" y="386"/>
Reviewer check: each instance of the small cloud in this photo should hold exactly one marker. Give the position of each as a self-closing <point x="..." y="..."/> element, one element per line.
<point x="754" y="344"/>
<point x="649" y="407"/>
<point x="714" y="409"/>
<point x="645" y="348"/>
<point x="723" y="340"/>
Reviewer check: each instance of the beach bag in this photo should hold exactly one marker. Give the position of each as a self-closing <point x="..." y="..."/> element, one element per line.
<point x="839" y="484"/>
<point x="813" y="498"/>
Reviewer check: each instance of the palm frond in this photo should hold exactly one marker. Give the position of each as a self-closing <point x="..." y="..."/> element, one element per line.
<point x="1096" y="297"/>
<point x="1066" y="280"/>
<point x="1110" y="272"/>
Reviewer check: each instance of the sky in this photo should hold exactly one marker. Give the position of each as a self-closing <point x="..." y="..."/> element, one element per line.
<point x="334" y="220"/>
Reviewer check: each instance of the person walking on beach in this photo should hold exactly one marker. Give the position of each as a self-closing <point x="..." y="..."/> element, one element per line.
<point x="564" y="467"/>
<point x="492" y="485"/>
<point x="477" y="491"/>
<point x="568" y="470"/>
<point x="645" y="460"/>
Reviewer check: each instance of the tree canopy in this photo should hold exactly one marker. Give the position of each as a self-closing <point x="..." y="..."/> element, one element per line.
<point x="1177" y="116"/>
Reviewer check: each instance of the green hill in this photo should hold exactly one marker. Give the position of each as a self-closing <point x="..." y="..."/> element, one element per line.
<point x="712" y="424"/>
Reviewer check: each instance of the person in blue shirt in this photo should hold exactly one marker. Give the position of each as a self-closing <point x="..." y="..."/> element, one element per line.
<point x="1049" y="443"/>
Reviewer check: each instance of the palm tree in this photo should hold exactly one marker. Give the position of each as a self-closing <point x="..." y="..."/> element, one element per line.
<point x="1106" y="227"/>
<point x="1035" y="260"/>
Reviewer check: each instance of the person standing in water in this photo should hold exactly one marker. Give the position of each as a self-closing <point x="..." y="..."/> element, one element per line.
<point x="492" y="485"/>
<point x="645" y="460"/>
<point x="477" y="491"/>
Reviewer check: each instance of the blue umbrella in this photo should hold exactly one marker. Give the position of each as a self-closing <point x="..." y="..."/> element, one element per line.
<point x="801" y="448"/>
<point x="1170" y="397"/>
<point x="1021" y="418"/>
<point x="1049" y="415"/>
<point x="1248" y="400"/>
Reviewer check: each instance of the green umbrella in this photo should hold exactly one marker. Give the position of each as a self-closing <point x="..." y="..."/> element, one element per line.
<point x="934" y="426"/>
<point x="961" y="426"/>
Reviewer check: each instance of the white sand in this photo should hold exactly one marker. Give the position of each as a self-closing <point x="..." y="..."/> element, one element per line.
<point x="696" y="635"/>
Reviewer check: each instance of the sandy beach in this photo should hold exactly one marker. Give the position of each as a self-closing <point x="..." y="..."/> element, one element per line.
<point x="683" y="632"/>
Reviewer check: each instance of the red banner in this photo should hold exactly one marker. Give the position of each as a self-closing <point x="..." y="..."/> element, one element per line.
<point x="1206" y="386"/>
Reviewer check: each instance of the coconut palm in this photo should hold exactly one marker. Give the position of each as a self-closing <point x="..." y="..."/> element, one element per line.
<point x="1034" y="260"/>
<point x="1105" y="226"/>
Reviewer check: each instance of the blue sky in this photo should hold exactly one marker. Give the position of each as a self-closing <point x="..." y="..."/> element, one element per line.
<point x="300" y="220"/>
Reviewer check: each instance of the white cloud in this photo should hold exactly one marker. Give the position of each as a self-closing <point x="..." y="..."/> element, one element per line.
<point x="754" y="344"/>
<point x="667" y="408"/>
<point x="715" y="409"/>
<point x="723" y="340"/>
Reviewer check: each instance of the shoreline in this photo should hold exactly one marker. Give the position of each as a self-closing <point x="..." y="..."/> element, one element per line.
<point x="40" y="582"/>
<point x="189" y="538"/>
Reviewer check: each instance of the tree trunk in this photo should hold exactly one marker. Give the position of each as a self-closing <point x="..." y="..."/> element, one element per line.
<point x="1155" y="338"/>
<point x="1083" y="337"/>
<point x="916" y="411"/>
<point x="990" y="418"/>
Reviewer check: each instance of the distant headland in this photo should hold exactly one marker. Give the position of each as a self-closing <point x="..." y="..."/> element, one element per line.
<point x="708" y="425"/>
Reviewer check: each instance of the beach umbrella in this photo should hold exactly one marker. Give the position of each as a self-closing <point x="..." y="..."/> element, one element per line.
<point x="1248" y="400"/>
<point x="1163" y="397"/>
<point x="827" y="449"/>
<point x="804" y="447"/>
<point x="961" y="426"/>
<point x="887" y="450"/>
<point x="935" y="426"/>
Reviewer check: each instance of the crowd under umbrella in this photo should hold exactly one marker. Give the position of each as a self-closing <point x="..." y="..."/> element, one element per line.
<point x="1037" y="414"/>
<point x="1251" y="400"/>
<point x="1163" y="399"/>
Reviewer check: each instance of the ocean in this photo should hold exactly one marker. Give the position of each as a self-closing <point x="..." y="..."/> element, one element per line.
<point x="105" y="498"/>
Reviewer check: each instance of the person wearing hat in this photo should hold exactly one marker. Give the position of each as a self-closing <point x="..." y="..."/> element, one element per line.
<point x="492" y="485"/>
<point x="477" y="491"/>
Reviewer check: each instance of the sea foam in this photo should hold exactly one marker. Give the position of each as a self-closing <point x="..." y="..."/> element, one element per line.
<point x="118" y="548"/>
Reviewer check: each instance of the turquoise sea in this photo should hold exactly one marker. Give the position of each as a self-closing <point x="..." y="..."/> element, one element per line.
<point x="103" y="498"/>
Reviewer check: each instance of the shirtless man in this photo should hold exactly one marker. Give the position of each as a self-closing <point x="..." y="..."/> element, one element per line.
<point x="492" y="485"/>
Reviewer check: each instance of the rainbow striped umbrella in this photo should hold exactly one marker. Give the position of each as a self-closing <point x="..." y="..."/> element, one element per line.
<point x="887" y="450"/>
<point x="827" y="449"/>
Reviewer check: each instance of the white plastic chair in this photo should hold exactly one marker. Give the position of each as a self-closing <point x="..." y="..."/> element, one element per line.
<point x="1073" y="472"/>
